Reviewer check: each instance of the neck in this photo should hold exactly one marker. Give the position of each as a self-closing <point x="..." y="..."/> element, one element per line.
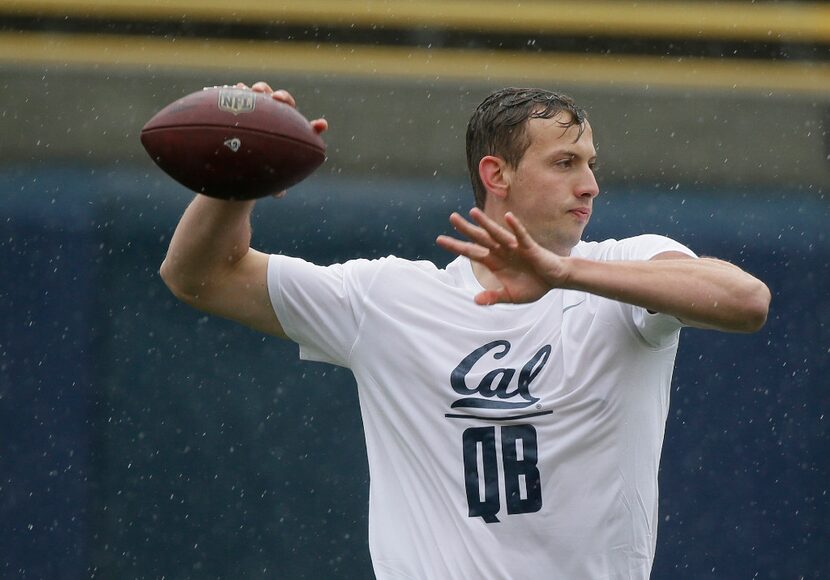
<point x="485" y="277"/>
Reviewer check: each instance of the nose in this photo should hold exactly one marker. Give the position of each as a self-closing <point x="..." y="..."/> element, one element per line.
<point x="588" y="186"/>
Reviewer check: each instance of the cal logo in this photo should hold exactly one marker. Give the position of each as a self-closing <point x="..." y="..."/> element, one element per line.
<point x="236" y="100"/>
<point x="497" y="390"/>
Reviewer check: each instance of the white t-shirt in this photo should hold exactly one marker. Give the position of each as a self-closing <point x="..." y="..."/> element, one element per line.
<point x="506" y="441"/>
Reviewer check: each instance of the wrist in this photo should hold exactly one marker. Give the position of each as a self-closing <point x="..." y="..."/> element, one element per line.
<point x="559" y="273"/>
<point x="573" y="273"/>
<point x="569" y="273"/>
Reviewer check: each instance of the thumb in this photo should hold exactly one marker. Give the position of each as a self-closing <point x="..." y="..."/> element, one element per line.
<point x="490" y="297"/>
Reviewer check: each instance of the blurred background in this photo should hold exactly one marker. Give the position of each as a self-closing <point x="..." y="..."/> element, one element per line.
<point x="142" y="439"/>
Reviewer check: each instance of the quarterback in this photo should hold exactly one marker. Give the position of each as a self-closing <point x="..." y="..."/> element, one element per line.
<point x="514" y="401"/>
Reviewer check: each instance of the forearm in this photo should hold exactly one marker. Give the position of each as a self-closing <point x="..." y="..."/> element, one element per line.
<point x="212" y="236"/>
<point x="704" y="292"/>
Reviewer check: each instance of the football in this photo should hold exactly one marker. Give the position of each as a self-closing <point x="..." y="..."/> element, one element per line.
<point x="233" y="143"/>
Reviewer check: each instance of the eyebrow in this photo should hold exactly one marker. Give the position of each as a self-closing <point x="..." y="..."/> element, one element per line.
<point x="570" y="153"/>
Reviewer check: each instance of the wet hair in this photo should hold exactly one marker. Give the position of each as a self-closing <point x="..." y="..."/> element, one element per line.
<point x="499" y="127"/>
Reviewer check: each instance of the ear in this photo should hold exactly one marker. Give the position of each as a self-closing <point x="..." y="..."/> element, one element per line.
<point x="495" y="175"/>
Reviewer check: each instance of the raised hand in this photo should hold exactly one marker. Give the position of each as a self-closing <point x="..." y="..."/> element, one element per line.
<point x="525" y="270"/>
<point x="283" y="96"/>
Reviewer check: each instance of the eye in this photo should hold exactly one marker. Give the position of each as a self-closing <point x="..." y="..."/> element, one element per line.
<point x="564" y="163"/>
<point x="594" y="166"/>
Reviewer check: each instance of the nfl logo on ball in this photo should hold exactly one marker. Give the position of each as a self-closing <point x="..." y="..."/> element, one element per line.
<point x="236" y="100"/>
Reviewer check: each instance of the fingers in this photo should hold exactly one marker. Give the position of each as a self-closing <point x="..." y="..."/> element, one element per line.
<point x="462" y="248"/>
<point x="279" y="95"/>
<point x="472" y="231"/>
<point x="490" y="234"/>
<point x="497" y="232"/>
<point x="319" y="125"/>
<point x="485" y="298"/>
<point x="260" y="87"/>
<point x="490" y="297"/>
<point x="283" y="96"/>
<point x="487" y="236"/>
<point x="522" y="235"/>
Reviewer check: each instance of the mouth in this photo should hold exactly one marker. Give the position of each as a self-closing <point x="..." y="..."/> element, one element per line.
<point x="582" y="213"/>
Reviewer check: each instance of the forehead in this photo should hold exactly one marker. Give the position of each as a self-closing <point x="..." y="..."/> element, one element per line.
<point x="548" y="134"/>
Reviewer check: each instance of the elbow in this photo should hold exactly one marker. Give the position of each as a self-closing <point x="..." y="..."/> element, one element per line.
<point x="168" y="276"/>
<point x="176" y="284"/>
<point x="165" y="274"/>
<point x="756" y="308"/>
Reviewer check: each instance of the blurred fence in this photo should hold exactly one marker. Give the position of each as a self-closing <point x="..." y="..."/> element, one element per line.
<point x="142" y="439"/>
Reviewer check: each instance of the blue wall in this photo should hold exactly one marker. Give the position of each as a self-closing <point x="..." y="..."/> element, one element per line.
<point x="139" y="438"/>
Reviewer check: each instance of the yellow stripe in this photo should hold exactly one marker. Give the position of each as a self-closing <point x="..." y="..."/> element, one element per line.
<point x="802" y="21"/>
<point x="267" y="60"/>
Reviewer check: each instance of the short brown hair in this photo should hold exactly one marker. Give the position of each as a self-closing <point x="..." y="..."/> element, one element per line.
<point x="499" y="127"/>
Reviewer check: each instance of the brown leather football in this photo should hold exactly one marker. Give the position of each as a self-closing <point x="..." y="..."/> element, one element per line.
<point x="233" y="143"/>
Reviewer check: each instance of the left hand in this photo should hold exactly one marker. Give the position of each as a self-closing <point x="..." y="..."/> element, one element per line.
<point x="525" y="270"/>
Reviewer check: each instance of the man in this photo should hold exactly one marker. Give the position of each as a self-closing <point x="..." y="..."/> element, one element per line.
<point x="514" y="402"/>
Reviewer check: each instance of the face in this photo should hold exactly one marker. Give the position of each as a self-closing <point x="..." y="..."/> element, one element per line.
<point x="553" y="187"/>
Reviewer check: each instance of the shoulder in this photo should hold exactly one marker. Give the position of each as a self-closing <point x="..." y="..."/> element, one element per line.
<point x="393" y="262"/>
<point x="355" y="264"/>
<point x="642" y="247"/>
<point x="401" y="273"/>
<point x="390" y="266"/>
<point x="361" y="274"/>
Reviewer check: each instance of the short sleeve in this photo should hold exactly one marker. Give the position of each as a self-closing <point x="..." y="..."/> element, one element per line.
<point x="320" y="307"/>
<point x="644" y="247"/>
<point x="657" y="329"/>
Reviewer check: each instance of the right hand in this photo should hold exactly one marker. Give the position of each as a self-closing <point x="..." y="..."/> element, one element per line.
<point x="283" y="96"/>
<point x="525" y="270"/>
